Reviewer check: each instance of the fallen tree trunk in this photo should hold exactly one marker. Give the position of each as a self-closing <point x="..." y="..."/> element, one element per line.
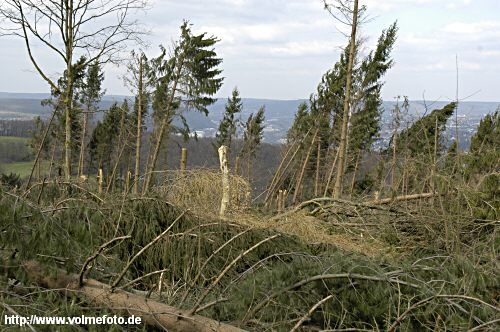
<point x="368" y="204"/>
<point x="152" y="312"/>
<point x="401" y="198"/>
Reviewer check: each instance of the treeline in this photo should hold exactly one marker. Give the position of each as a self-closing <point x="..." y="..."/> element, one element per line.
<point x="17" y="128"/>
<point x="329" y="149"/>
<point x="169" y="85"/>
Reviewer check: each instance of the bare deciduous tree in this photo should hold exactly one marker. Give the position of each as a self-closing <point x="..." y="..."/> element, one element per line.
<point x="99" y="30"/>
<point x="139" y="82"/>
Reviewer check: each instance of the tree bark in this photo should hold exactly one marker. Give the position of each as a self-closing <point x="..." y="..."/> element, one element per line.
<point x="82" y="144"/>
<point x="345" y="118"/>
<point x="303" y="169"/>
<point x="318" y="164"/>
<point x="225" y="180"/>
<point x="137" y="171"/>
<point x="183" y="161"/>
<point x="354" y="173"/>
<point x="152" y="313"/>
<point x="69" y="88"/>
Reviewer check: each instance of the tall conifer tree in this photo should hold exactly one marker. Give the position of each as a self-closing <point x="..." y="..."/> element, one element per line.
<point x="229" y="123"/>
<point x="186" y="80"/>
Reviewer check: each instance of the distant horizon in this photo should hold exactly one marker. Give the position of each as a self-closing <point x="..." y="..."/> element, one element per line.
<point x="277" y="99"/>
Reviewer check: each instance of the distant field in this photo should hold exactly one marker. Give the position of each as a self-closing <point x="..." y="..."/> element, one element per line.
<point x="23" y="168"/>
<point x="12" y="139"/>
<point x="14" y="150"/>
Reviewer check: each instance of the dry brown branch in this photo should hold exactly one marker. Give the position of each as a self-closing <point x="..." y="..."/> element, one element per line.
<point x="210" y="304"/>
<point x="309" y="313"/>
<point x="402" y="198"/>
<point x="96" y="254"/>
<point x="144" y="276"/>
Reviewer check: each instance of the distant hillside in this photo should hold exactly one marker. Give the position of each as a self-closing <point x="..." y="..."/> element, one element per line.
<point x="279" y="113"/>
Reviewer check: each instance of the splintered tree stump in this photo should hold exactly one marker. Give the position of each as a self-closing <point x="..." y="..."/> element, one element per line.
<point x="183" y="160"/>
<point x="280" y="201"/>
<point x="225" y="180"/>
<point x="100" y="180"/>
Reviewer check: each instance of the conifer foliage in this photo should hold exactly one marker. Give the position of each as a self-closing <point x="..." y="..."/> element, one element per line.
<point x="485" y="145"/>
<point x="319" y="122"/>
<point x="229" y="124"/>
<point x="186" y="80"/>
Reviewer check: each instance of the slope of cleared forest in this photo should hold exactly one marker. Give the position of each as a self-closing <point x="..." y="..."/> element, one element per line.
<point x="326" y="264"/>
<point x="330" y="231"/>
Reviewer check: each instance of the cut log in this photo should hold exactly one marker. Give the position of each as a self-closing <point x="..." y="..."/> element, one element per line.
<point x="152" y="312"/>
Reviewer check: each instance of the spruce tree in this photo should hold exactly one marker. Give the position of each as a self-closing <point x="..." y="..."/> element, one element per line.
<point x="484" y="156"/>
<point x="186" y="80"/>
<point x="105" y="138"/>
<point x="229" y="123"/>
<point x="327" y="109"/>
<point x="91" y="95"/>
<point x="58" y="101"/>
<point x="419" y="139"/>
<point x="301" y="124"/>
<point x="252" y="137"/>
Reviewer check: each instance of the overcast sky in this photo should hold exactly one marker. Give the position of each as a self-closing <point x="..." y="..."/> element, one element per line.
<point x="279" y="49"/>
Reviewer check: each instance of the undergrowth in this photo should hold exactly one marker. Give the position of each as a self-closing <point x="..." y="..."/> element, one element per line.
<point x="64" y="224"/>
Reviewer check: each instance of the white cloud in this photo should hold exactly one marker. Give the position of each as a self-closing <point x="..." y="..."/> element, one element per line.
<point x="473" y="28"/>
<point x="305" y="48"/>
<point x="280" y="48"/>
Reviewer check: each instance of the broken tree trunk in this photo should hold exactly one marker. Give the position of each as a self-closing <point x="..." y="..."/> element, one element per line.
<point x="280" y="201"/>
<point x="225" y="180"/>
<point x="100" y="180"/>
<point x="152" y="313"/>
<point x="183" y="160"/>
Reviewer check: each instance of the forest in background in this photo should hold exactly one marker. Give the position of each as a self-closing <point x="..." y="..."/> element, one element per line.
<point x="325" y="232"/>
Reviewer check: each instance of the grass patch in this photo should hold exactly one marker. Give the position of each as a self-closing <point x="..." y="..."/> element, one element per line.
<point x="23" y="168"/>
<point x="14" y="149"/>
<point x="13" y="139"/>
